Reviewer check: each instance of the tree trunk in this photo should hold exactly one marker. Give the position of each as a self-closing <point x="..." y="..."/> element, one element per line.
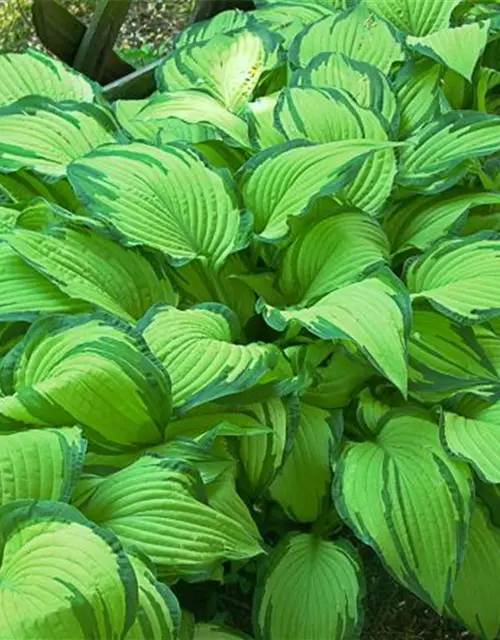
<point x="206" y="9"/>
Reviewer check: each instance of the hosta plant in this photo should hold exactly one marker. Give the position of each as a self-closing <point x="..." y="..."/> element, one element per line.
<point x="251" y="323"/>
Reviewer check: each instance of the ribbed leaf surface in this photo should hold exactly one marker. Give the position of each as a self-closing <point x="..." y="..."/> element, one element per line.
<point x="198" y="348"/>
<point x="312" y="589"/>
<point x="403" y="495"/>
<point x="165" y="198"/>
<point x="77" y="574"/>
<point x="33" y="73"/>
<point x="39" y="134"/>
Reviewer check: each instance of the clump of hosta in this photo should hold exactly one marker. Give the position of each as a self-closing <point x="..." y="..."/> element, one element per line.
<point x="264" y="299"/>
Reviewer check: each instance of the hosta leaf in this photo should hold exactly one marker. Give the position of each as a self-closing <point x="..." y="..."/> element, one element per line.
<point x="371" y="313"/>
<point x="457" y="90"/>
<point x="260" y="117"/>
<point x="211" y="631"/>
<point x="127" y="112"/>
<point x="457" y="48"/>
<point x="155" y="505"/>
<point x="480" y="220"/>
<point x="434" y="157"/>
<point x="22" y="186"/>
<point x="472" y="433"/>
<point x="366" y="83"/>
<point x="178" y="130"/>
<point x="220" y="156"/>
<point x="489" y="494"/>
<point x="330" y="254"/>
<point x="196" y="283"/>
<point x="336" y="4"/>
<point x="224" y="498"/>
<point x="419" y="94"/>
<point x="182" y="127"/>
<point x="158" y="612"/>
<point x="40" y="465"/>
<point x="90" y="370"/>
<point x="224" y="22"/>
<point x="490" y="57"/>
<point x="274" y="79"/>
<point x="197" y="347"/>
<point x="338" y="382"/>
<point x="284" y="181"/>
<point x="423" y="220"/>
<point x="390" y="491"/>
<point x="359" y="35"/>
<point x="86" y="590"/>
<point x="8" y="218"/>
<point x="305" y="359"/>
<point x="315" y="443"/>
<point x="195" y="107"/>
<point x="165" y="198"/>
<point x="370" y="413"/>
<point x="33" y="73"/>
<point x="312" y="588"/>
<point x="206" y="454"/>
<point x="188" y="624"/>
<point x="325" y="115"/>
<point x="488" y="79"/>
<point x="26" y="294"/>
<point x="242" y="57"/>
<point x="418" y="17"/>
<point x="262" y="455"/>
<point x="284" y="12"/>
<point x="39" y="134"/>
<point x="10" y="334"/>
<point x="475" y="598"/>
<point x="264" y="286"/>
<point x="89" y="267"/>
<point x="219" y="419"/>
<point x="38" y="215"/>
<point x="488" y="336"/>
<point x="289" y="18"/>
<point x="447" y="359"/>
<point x="459" y="277"/>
